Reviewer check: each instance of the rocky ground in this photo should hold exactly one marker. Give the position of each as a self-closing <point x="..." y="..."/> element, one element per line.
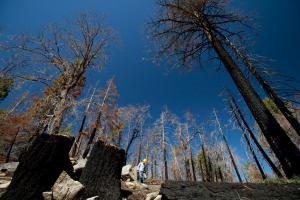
<point x="66" y="188"/>
<point x="101" y="176"/>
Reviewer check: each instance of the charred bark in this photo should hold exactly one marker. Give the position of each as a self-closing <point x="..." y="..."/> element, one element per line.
<point x="92" y="135"/>
<point x="234" y="110"/>
<point x="191" y="164"/>
<point x="39" y="167"/>
<point x="268" y="90"/>
<point x="11" y="146"/>
<point x="78" y="139"/>
<point x="285" y="150"/>
<point x="102" y="173"/>
<point x="239" y="115"/>
<point x="176" y="190"/>
<point x="228" y="149"/>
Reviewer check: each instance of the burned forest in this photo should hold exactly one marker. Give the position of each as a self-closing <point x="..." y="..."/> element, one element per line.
<point x="154" y="100"/>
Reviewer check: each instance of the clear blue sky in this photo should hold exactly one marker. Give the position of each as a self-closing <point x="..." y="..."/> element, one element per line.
<point x="138" y="80"/>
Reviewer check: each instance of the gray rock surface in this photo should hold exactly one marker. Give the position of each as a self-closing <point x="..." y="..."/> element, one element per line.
<point x="65" y="188"/>
<point x="93" y="198"/>
<point x="80" y="164"/>
<point x="9" y="168"/>
<point x="152" y="196"/>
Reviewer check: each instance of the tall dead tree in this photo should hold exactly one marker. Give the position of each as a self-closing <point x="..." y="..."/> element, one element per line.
<point x="66" y="52"/>
<point x="238" y="121"/>
<point x="267" y="88"/>
<point x="11" y="145"/>
<point x="77" y="143"/>
<point x="206" y="177"/>
<point x="185" y="29"/>
<point x="165" y="175"/>
<point x="97" y="124"/>
<point x="240" y="118"/>
<point x="228" y="148"/>
<point x="133" y="118"/>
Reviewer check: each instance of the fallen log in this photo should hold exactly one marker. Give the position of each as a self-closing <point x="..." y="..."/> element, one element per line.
<point x="102" y="173"/>
<point x="39" y="167"/>
<point x="172" y="190"/>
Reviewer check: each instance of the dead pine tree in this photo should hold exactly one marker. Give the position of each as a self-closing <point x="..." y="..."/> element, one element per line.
<point x="164" y="149"/>
<point x="177" y="168"/>
<point x="77" y="143"/>
<point x="11" y="145"/>
<point x="133" y="117"/>
<point x="207" y="176"/>
<point x="266" y="87"/>
<point x="205" y="159"/>
<point x="97" y="123"/>
<point x="185" y="29"/>
<point x="244" y="134"/>
<point x="66" y="53"/>
<point x="240" y="118"/>
<point x="227" y="146"/>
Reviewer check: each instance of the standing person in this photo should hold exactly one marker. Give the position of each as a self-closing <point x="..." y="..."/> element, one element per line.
<point x="141" y="169"/>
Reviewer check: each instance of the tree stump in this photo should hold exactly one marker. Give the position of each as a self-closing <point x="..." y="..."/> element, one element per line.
<point x="175" y="190"/>
<point x="39" y="167"/>
<point x="102" y="173"/>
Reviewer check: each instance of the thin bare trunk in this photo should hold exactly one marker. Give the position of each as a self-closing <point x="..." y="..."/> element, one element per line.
<point x="268" y="89"/>
<point x="11" y="146"/>
<point x="76" y="144"/>
<point x="97" y="123"/>
<point x="191" y="164"/>
<point x="164" y="152"/>
<point x="139" y="154"/>
<point x="238" y="113"/>
<point x="228" y="148"/>
<point x="285" y="150"/>
<point x="177" y="164"/>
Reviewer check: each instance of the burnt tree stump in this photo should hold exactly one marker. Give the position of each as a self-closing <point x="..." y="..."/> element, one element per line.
<point x="176" y="190"/>
<point x="39" y="167"/>
<point x="102" y="173"/>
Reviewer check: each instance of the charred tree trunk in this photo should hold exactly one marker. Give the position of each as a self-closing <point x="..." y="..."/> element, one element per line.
<point x="152" y="168"/>
<point x="11" y="146"/>
<point x="102" y="173"/>
<point x="262" y="173"/>
<point x="187" y="170"/>
<point x="92" y="135"/>
<point x="139" y="154"/>
<point x="285" y="150"/>
<point x="165" y="164"/>
<point x="205" y="164"/>
<point x="228" y="149"/>
<point x="268" y="90"/>
<point x="192" y="166"/>
<point x="180" y="190"/>
<point x="155" y="169"/>
<point x="164" y="152"/>
<point x="201" y="170"/>
<point x="39" y="167"/>
<point x="210" y="170"/>
<point x="220" y="174"/>
<point x="78" y="138"/>
<point x="239" y="115"/>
